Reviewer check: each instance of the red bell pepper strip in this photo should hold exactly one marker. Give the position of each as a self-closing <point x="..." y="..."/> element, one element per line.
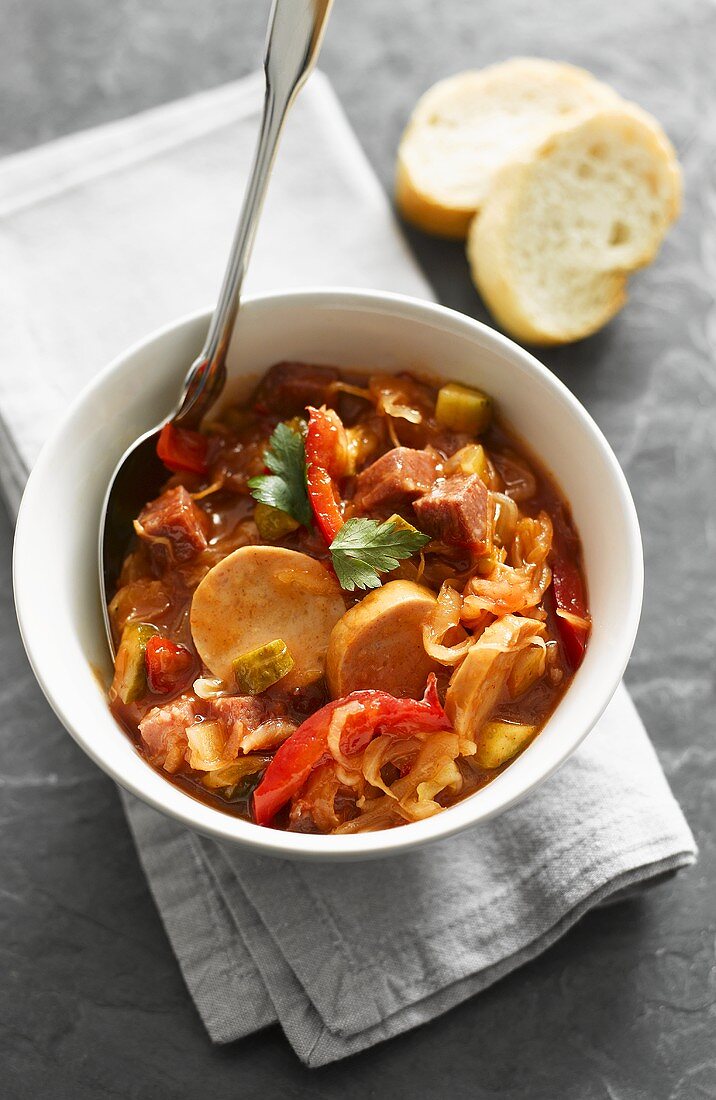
<point x="182" y="450"/>
<point x="169" y="666"/>
<point x="308" y="747"/>
<point x="569" y="597"/>
<point x="323" y="446"/>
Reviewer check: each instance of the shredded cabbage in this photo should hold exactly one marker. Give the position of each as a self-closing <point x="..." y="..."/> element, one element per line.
<point x="138" y="601"/>
<point x="213" y="488"/>
<point x="514" y="588"/>
<point x="387" y="750"/>
<point x="269" y="735"/>
<point x="229" y="774"/>
<point x="479" y="681"/>
<point x="505" y="517"/>
<point x="317" y="801"/>
<point x="335" y="733"/>
<point x="412" y="796"/>
<point x="391" y="396"/>
<point x="206" y="746"/>
<point x="210" y="687"/>
<point x="161" y="540"/>
<point x="444" y="618"/>
<point x="529" y="667"/>
<point x="575" y="620"/>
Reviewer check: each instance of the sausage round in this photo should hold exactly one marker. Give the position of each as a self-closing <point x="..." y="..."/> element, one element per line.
<point x="378" y="643"/>
<point x="258" y="594"/>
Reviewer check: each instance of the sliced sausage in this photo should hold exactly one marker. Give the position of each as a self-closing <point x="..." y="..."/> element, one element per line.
<point x="378" y="643"/>
<point x="258" y="594"/>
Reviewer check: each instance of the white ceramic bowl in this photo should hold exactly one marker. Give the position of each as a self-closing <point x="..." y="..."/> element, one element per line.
<point x="55" y="566"/>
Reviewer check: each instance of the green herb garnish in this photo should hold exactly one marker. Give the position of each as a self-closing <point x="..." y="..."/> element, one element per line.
<point x="364" y="548"/>
<point x="285" y="487"/>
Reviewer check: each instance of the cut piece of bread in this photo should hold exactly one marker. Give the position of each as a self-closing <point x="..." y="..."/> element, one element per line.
<point x="467" y="128"/>
<point x="551" y="250"/>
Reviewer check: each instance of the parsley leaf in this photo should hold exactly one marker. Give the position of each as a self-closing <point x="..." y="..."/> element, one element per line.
<point x="363" y="548"/>
<point x="285" y="486"/>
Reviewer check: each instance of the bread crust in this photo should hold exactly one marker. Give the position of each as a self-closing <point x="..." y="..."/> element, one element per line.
<point x="422" y="211"/>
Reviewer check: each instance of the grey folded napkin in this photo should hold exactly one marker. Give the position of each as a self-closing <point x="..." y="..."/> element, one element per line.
<point x="342" y="956"/>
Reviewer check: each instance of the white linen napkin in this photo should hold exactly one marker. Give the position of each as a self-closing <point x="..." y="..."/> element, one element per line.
<point x="108" y="234"/>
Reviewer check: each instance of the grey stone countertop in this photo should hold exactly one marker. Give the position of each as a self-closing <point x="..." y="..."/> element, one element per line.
<point x="92" y="1003"/>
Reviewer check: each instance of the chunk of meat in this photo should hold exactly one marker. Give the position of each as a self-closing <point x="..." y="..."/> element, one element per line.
<point x="175" y="522"/>
<point x="259" y="594"/>
<point x="238" y="711"/>
<point x="174" y="734"/>
<point x="396" y="478"/>
<point x="456" y="510"/>
<point x="378" y="643"/>
<point x="476" y="686"/>
<point x="163" y="730"/>
<point x="248" y="725"/>
<point x="287" y="388"/>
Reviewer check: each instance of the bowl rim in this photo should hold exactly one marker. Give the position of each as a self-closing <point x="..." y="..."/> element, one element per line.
<point x="471" y="811"/>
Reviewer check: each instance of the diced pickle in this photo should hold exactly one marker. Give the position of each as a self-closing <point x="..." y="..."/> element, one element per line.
<point x="130" y="672"/>
<point x="498" y="742"/>
<point x="402" y="524"/>
<point x="260" y="668"/>
<point x="463" y="409"/>
<point x="470" y="460"/>
<point x="273" y="524"/>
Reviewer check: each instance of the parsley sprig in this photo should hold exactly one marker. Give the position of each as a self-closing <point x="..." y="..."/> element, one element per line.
<point x="285" y="487"/>
<point x="364" y="548"/>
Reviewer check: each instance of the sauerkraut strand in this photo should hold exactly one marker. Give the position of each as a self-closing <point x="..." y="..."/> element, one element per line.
<point x="444" y="620"/>
<point x="519" y="586"/>
<point x="355" y="726"/>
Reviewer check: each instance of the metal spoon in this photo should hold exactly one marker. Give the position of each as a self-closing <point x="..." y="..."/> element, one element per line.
<point x="294" y="37"/>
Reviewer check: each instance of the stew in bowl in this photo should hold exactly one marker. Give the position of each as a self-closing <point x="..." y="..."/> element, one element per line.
<point x="355" y="601"/>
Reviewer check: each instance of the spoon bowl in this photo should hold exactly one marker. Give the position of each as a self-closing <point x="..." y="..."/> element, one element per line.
<point x="137" y="479"/>
<point x="295" y="33"/>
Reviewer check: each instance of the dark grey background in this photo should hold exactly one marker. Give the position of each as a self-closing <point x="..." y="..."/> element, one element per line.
<point x="91" y="1000"/>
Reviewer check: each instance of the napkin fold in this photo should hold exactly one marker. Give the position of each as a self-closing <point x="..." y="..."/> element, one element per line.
<point x="110" y="233"/>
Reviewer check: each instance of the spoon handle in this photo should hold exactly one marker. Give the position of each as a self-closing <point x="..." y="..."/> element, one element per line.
<point x="294" y="38"/>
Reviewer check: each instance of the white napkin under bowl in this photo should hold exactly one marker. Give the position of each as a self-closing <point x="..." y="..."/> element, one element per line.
<point x="343" y="956"/>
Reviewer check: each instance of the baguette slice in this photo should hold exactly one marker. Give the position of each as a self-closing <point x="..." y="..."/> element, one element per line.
<point x="467" y="128"/>
<point x="551" y="251"/>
